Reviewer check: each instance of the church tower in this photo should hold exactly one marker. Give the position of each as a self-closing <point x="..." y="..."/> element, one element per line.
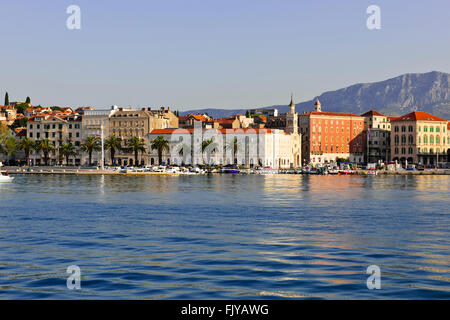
<point x="317" y="106"/>
<point x="292" y="118"/>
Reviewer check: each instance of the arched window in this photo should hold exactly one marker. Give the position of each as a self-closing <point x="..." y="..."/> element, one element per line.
<point x="410" y="139"/>
<point x="438" y="140"/>
<point x="403" y="139"/>
<point x="396" y="139"/>
<point x="431" y="140"/>
<point x="425" y="139"/>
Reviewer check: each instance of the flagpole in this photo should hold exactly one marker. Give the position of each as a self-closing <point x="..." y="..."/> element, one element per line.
<point x="103" y="150"/>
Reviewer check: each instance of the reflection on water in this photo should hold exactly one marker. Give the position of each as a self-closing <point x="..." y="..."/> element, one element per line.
<point x="225" y="236"/>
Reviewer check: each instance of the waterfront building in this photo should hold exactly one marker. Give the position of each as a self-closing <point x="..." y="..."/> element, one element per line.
<point x="327" y="136"/>
<point x="247" y="147"/>
<point x="419" y="137"/>
<point x="127" y="123"/>
<point x="59" y="129"/>
<point x="94" y="121"/>
<point x="378" y="137"/>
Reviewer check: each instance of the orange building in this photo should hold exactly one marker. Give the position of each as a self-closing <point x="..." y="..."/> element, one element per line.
<point x="330" y="135"/>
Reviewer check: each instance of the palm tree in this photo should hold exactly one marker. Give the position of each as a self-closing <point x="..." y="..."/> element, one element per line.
<point x="233" y="145"/>
<point x="210" y="146"/>
<point x="27" y="145"/>
<point x="160" y="144"/>
<point x="113" y="143"/>
<point x="10" y="146"/>
<point x="184" y="150"/>
<point x="46" y="146"/>
<point x="136" y="145"/>
<point x="89" y="145"/>
<point x="67" y="150"/>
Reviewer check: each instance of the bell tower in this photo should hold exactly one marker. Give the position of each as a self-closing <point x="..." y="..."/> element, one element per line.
<point x="292" y="118"/>
<point x="317" y="106"/>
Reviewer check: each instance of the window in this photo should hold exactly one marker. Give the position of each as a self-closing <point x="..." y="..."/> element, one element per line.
<point x="403" y="128"/>
<point x="410" y="129"/>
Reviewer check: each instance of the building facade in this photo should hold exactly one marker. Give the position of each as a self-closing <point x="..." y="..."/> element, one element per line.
<point x="59" y="130"/>
<point x="244" y="147"/>
<point x="378" y="136"/>
<point x="127" y="123"/>
<point x="420" y="138"/>
<point x="327" y="136"/>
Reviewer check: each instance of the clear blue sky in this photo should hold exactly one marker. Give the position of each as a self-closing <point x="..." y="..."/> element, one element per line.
<point x="223" y="54"/>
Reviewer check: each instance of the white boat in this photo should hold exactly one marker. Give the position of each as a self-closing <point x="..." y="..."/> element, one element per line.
<point x="5" y="177"/>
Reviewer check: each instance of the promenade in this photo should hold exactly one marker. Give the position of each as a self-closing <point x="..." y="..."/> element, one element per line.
<point x="94" y="171"/>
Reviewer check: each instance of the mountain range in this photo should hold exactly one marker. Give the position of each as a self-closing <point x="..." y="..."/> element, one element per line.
<point x="429" y="92"/>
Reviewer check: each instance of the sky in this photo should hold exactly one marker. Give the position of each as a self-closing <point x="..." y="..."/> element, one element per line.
<point x="212" y="54"/>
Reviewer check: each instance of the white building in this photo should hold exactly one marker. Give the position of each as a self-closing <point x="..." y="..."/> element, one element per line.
<point x="244" y="147"/>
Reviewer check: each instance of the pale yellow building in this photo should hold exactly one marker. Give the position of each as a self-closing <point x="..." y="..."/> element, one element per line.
<point x="419" y="137"/>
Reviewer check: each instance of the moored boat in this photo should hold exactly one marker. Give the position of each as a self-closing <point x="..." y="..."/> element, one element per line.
<point x="5" y="177"/>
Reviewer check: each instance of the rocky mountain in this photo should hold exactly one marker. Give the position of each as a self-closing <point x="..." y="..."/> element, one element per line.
<point x="429" y="92"/>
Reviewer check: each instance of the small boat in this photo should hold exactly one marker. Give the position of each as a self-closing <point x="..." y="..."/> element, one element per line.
<point x="229" y="171"/>
<point x="5" y="177"/>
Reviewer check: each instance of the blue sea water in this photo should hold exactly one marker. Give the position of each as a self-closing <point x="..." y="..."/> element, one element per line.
<point x="225" y="236"/>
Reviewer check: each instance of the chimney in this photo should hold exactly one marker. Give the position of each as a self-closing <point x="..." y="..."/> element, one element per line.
<point x="143" y="109"/>
<point x="149" y="109"/>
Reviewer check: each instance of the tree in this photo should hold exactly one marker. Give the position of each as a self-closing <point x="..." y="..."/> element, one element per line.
<point x="67" y="150"/>
<point x="233" y="145"/>
<point x="160" y="144"/>
<point x="209" y="146"/>
<point x="46" y="146"/>
<point x="27" y="145"/>
<point x="6" y="99"/>
<point x="28" y="100"/>
<point x="89" y="145"/>
<point x="21" y="107"/>
<point x="9" y="146"/>
<point x="113" y="143"/>
<point x="19" y="123"/>
<point x="136" y="145"/>
<point x="247" y="114"/>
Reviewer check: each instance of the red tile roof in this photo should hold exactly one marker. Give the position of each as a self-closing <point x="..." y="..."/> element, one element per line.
<point x="184" y="131"/>
<point x="337" y="114"/>
<point x="418" y="116"/>
<point x="372" y="113"/>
